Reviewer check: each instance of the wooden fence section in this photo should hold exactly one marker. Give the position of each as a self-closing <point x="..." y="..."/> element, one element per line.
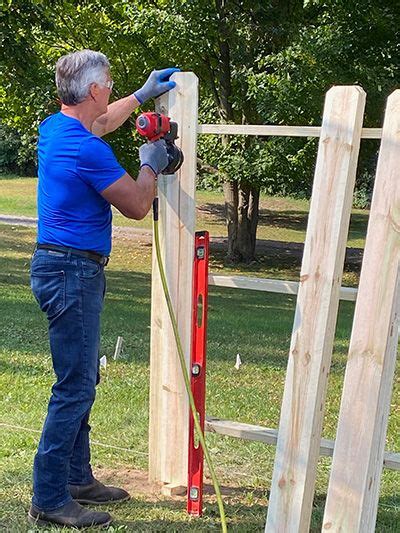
<point x="357" y="461"/>
<point x="278" y="131"/>
<point x="251" y="432"/>
<point x="270" y="285"/>
<point x="358" y="453"/>
<point x="168" y="433"/>
<point x="300" y="427"/>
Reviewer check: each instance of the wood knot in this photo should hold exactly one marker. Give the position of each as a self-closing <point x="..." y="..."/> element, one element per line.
<point x="282" y="483"/>
<point x="307" y="359"/>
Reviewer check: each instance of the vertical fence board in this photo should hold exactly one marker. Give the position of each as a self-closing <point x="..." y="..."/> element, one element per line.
<point x="310" y="353"/>
<point x="357" y="460"/>
<point x="168" y="430"/>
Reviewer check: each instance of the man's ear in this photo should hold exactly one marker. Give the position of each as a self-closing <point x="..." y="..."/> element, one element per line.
<point x="94" y="91"/>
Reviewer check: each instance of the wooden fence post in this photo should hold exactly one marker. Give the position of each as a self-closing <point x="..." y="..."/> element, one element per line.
<point x="353" y="491"/>
<point x="169" y="416"/>
<point x="302" y="410"/>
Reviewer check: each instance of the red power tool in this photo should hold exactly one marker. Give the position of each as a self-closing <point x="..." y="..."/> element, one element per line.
<point x="156" y="126"/>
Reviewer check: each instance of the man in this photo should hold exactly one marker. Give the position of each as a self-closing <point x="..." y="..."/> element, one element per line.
<point x="79" y="177"/>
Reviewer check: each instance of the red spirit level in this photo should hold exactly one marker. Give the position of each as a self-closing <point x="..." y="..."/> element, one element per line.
<point x="198" y="371"/>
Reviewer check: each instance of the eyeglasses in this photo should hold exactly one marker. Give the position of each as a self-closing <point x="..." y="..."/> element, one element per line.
<point x="109" y="84"/>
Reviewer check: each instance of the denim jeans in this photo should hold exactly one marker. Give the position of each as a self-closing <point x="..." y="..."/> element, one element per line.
<point x="70" y="290"/>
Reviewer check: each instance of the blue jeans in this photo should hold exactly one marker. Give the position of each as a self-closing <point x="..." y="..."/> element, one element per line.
<point x="70" y="290"/>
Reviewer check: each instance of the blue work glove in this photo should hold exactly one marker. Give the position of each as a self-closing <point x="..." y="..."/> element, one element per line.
<point x="154" y="155"/>
<point x="157" y="83"/>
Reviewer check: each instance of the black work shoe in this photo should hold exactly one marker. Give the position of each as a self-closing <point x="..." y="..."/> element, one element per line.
<point x="71" y="514"/>
<point x="97" y="493"/>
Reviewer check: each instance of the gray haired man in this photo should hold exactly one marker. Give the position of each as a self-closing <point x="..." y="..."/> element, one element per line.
<point x="79" y="179"/>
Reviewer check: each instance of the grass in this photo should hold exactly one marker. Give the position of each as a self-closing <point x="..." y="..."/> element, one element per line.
<point x="281" y="219"/>
<point x="120" y="416"/>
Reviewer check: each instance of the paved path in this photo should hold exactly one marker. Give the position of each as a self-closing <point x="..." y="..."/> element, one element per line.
<point x="18" y="221"/>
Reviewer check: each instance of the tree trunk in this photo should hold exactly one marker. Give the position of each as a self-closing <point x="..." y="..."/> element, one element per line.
<point x="241" y="199"/>
<point x="247" y="221"/>
<point x="242" y="208"/>
<point x="231" y="217"/>
<point x="248" y="210"/>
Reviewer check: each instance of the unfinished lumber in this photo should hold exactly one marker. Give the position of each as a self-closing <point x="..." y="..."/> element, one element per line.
<point x="269" y="285"/>
<point x="275" y="130"/>
<point x="239" y="430"/>
<point x="173" y="490"/>
<point x="353" y="491"/>
<point x="302" y="410"/>
<point x="169" y="415"/>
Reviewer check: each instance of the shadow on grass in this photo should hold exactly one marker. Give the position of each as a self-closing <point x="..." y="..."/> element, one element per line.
<point x="259" y="322"/>
<point x="35" y="369"/>
<point x="280" y="256"/>
<point x="388" y="517"/>
<point x="289" y="219"/>
<point x="143" y="512"/>
<point x="293" y="220"/>
<point x="251" y="519"/>
<point x="241" y="516"/>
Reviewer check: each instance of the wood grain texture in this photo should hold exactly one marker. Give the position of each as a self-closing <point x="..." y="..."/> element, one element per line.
<point x="270" y="285"/>
<point x="278" y="131"/>
<point x="357" y="461"/>
<point x="310" y="353"/>
<point x="168" y="430"/>
<point x="251" y="432"/>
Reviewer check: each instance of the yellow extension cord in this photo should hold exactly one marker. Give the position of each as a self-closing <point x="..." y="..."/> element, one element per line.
<point x="185" y="370"/>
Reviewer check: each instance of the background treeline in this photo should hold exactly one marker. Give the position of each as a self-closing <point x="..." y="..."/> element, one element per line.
<point x="258" y="62"/>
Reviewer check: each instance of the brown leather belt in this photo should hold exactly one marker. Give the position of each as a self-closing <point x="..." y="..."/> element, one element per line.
<point x="102" y="259"/>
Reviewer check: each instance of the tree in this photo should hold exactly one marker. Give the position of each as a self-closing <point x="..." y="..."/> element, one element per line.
<point x="220" y="41"/>
<point x="223" y="41"/>
<point x="258" y="62"/>
<point x="272" y="62"/>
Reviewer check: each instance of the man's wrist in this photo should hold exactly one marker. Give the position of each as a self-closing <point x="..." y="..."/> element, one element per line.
<point x="147" y="165"/>
<point x="139" y="97"/>
<point x="135" y="100"/>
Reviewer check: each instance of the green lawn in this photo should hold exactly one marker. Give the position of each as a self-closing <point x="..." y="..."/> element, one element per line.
<point x="281" y="219"/>
<point x="256" y="325"/>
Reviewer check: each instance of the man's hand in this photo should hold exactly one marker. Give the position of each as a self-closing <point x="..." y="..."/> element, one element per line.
<point x="156" y="84"/>
<point x="154" y="155"/>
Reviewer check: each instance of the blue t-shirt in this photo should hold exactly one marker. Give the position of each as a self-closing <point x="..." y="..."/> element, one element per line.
<point x="75" y="166"/>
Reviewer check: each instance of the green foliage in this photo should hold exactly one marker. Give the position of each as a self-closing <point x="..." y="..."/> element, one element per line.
<point x="349" y="43"/>
<point x="363" y="192"/>
<point x="257" y="63"/>
<point x="9" y="145"/>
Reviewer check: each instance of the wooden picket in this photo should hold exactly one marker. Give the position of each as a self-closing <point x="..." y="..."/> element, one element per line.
<point x="169" y="414"/>
<point x="357" y="460"/>
<point x="310" y="353"/>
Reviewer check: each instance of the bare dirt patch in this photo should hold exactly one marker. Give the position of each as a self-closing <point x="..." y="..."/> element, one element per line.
<point x="137" y="484"/>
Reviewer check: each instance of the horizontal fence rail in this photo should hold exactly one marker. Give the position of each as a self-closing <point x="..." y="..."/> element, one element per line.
<point x="270" y="285"/>
<point x="279" y="131"/>
<point x="250" y="432"/>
